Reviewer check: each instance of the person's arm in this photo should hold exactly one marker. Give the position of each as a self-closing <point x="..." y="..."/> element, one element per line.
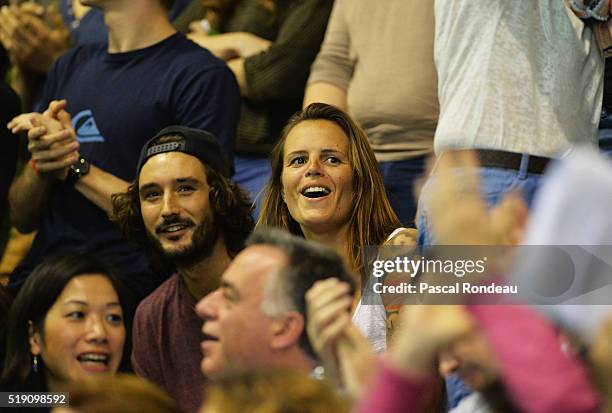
<point x="325" y="92"/>
<point x="228" y="46"/>
<point x="281" y="71"/>
<point x="53" y="150"/>
<point x="237" y="67"/>
<point x="333" y="68"/>
<point x="28" y="197"/>
<point x="327" y="307"/>
<point x="272" y="70"/>
<point x="98" y="186"/>
<point x="405" y="238"/>
<point x="52" y="155"/>
<point x="346" y="354"/>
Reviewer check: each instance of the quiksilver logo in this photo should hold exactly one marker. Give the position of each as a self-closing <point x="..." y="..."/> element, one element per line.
<point x="85" y="126"/>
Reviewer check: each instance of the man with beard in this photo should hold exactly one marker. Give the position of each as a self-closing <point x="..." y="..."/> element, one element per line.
<point x="103" y="102"/>
<point x="183" y="207"/>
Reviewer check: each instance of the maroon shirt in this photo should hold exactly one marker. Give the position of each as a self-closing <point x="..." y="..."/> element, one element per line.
<point x="166" y="343"/>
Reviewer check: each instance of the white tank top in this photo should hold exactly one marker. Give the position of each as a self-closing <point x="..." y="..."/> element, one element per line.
<point x="371" y="319"/>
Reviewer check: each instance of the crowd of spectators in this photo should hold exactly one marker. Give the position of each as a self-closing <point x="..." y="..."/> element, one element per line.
<point x="210" y="184"/>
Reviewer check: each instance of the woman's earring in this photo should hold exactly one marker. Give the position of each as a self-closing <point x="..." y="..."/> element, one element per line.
<point x="35" y="364"/>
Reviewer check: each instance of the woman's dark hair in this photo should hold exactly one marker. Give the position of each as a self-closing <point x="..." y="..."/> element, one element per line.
<point x="230" y="205"/>
<point x="35" y="298"/>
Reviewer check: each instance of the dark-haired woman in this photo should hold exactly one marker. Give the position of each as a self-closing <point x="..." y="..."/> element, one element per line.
<point x="66" y="324"/>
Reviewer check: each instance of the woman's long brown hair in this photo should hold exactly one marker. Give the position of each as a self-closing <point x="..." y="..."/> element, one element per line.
<point x="372" y="218"/>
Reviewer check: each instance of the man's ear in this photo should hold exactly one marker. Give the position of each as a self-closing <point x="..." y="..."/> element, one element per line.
<point x="286" y="331"/>
<point x="34" y="339"/>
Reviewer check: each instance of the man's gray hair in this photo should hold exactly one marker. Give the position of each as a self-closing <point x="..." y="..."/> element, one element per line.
<point x="307" y="263"/>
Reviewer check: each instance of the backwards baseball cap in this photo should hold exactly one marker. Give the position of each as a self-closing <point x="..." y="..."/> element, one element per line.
<point x="196" y="142"/>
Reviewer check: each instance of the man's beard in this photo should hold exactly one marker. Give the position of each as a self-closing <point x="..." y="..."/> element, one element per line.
<point x="203" y="241"/>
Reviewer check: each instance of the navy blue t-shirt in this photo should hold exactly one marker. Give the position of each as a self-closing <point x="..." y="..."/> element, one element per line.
<point x="118" y="102"/>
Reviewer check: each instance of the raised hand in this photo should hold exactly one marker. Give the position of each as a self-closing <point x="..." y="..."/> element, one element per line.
<point x="51" y="139"/>
<point x="345" y="352"/>
<point x="32" y="42"/>
<point x="460" y="216"/>
<point x="328" y="304"/>
<point x="424" y="331"/>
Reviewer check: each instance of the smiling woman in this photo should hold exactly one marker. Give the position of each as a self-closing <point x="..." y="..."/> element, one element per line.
<point x="317" y="178"/>
<point x="66" y="323"/>
<point x="326" y="187"/>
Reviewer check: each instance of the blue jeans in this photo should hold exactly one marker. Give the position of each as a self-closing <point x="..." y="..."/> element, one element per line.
<point x="495" y="182"/>
<point x="252" y="174"/>
<point x="399" y="178"/>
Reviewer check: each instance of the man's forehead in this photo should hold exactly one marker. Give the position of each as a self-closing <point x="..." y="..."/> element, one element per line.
<point x="171" y="165"/>
<point x="253" y="265"/>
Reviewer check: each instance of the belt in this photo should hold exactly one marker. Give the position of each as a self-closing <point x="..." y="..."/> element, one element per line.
<point x="510" y="160"/>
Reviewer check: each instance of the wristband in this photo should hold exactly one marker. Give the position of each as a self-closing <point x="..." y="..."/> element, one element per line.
<point x="33" y="164"/>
